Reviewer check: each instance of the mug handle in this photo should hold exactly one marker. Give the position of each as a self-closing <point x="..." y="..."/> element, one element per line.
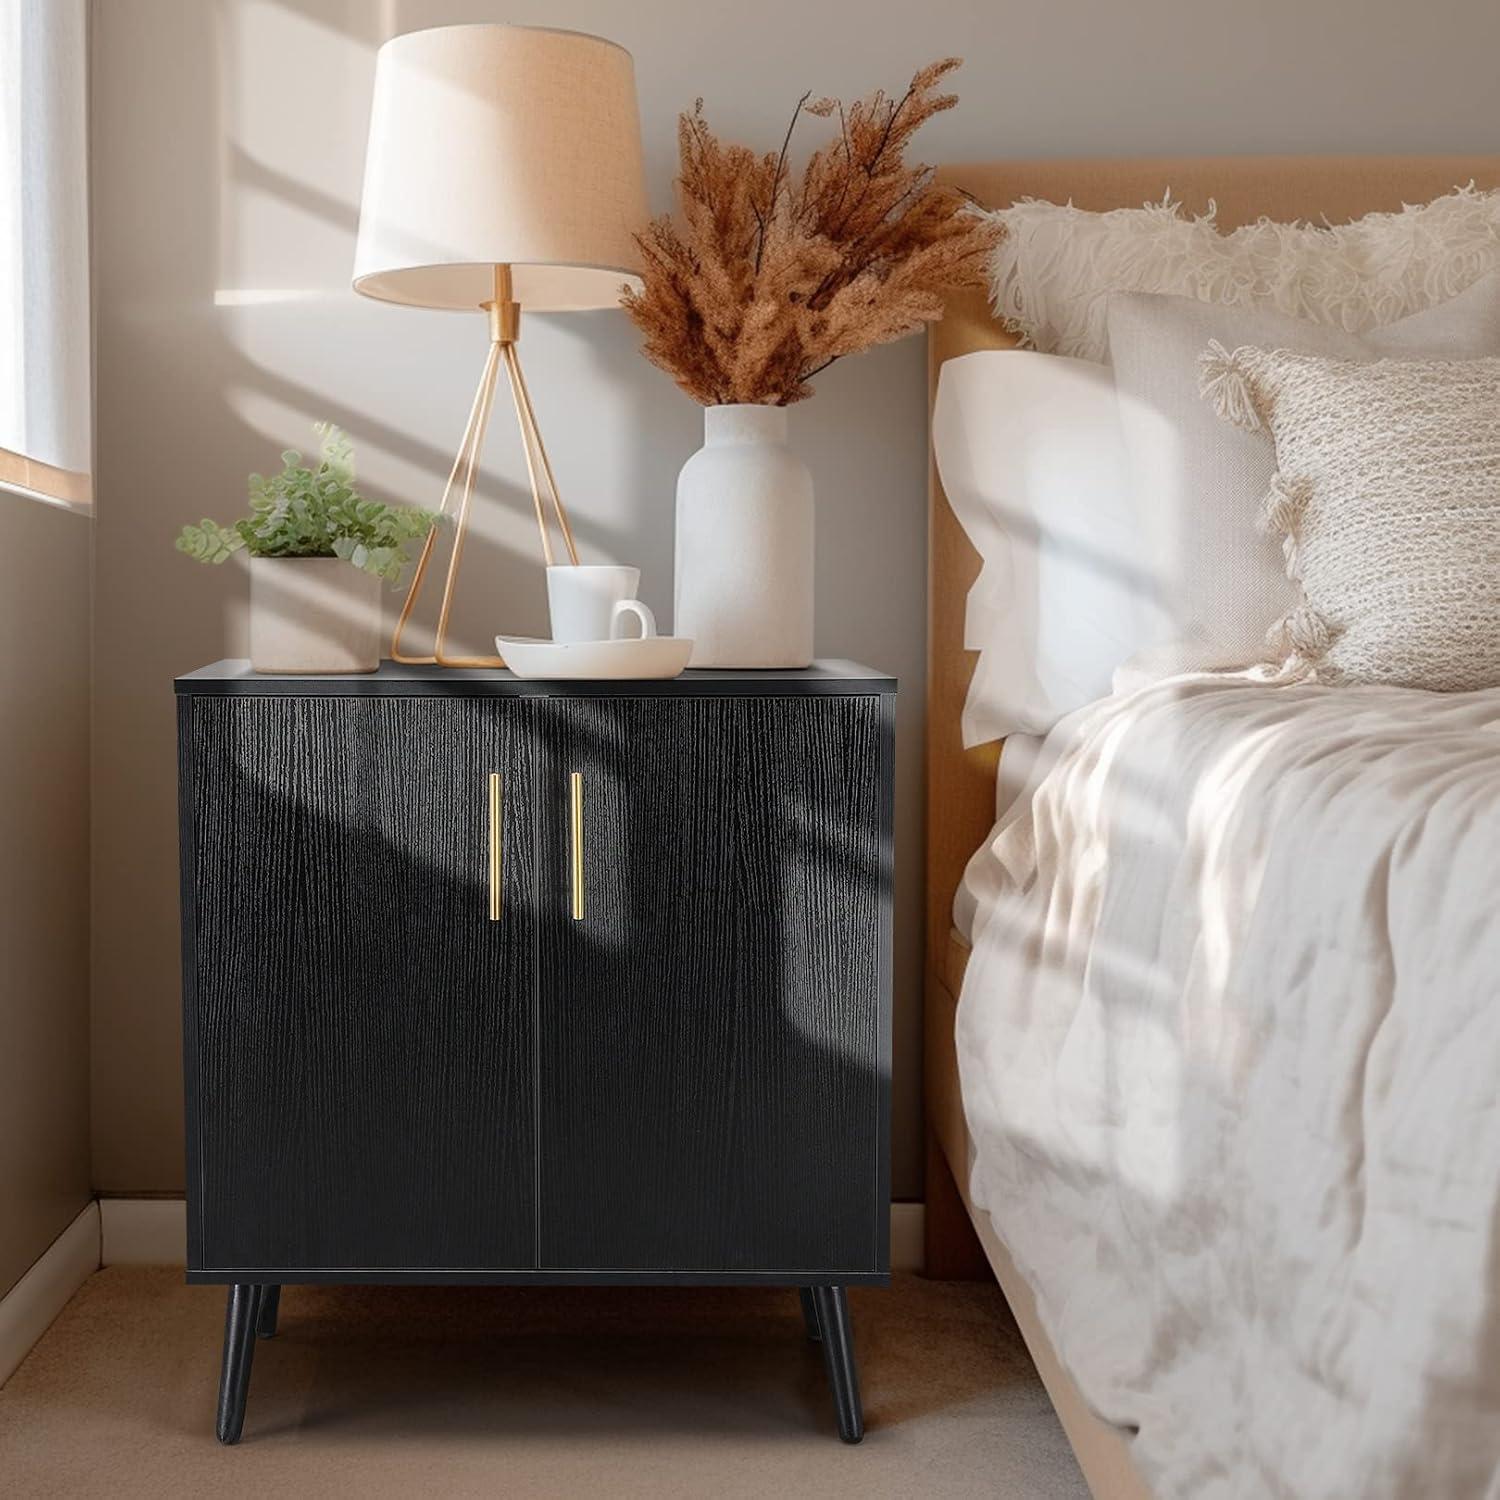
<point x="642" y="612"/>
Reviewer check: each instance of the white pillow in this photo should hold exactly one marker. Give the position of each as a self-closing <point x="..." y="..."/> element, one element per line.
<point x="1198" y="482"/>
<point x="1056" y="265"/>
<point x="1029" y="451"/>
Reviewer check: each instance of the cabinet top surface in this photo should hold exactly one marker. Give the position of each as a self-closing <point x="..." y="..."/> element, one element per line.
<point x="393" y="679"/>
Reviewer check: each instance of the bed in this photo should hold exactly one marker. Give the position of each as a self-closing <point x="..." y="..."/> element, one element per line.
<point x="961" y="1239"/>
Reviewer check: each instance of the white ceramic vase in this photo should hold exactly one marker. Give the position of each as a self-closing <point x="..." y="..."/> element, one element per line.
<point x="313" y="614"/>
<point x="744" y="576"/>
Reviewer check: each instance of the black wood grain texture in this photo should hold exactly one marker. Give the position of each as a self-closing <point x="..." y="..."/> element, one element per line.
<point x="401" y="679"/>
<point x="359" y="1033"/>
<point x="711" y="1034"/>
<point x="528" y="1277"/>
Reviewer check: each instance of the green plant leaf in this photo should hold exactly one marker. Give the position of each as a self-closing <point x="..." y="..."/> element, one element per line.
<point x="315" y="512"/>
<point x="208" y="542"/>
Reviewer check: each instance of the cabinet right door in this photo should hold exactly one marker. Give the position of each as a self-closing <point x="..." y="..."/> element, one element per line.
<point x="713" y="961"/>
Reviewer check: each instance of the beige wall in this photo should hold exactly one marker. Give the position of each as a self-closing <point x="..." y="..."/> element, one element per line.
<point x="228" y="147"/>
<point x="44" y="885"/>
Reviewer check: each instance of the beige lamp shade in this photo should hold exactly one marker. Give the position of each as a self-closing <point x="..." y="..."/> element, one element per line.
<point x="501" y="145"/>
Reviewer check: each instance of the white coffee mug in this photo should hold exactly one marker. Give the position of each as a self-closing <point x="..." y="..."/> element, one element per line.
<point x="590" y="602"/>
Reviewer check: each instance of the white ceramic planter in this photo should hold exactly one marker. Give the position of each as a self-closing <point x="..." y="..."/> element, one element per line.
<point x="313" y="614"/>
<point x="744" y="575"/>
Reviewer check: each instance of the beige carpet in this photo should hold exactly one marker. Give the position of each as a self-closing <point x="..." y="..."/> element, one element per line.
<point x="375" y="1391"/>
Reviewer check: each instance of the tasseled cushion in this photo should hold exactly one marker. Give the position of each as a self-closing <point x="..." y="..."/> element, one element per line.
<point x="1387" y="497"/>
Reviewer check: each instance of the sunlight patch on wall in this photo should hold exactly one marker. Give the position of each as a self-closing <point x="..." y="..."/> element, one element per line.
<point x="260" y="296"/>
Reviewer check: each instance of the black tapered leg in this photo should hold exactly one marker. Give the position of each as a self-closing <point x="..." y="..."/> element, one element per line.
<point x="810" y="1314"/>
<point x="831" y="1305"/>
<point x="270" y="1305"/>
<point x="239" y="1350"/>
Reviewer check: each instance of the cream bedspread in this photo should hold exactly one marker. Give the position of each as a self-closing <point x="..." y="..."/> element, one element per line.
<point x="1230" y="1051"/>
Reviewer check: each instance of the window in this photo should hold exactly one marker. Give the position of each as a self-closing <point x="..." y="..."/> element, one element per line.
<point x="46" y="404"/>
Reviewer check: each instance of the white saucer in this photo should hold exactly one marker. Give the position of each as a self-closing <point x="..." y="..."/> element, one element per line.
<point x="651" y="656"/>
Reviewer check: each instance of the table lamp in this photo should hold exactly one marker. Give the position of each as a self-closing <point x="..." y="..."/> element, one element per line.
<point x="503" y="172"/>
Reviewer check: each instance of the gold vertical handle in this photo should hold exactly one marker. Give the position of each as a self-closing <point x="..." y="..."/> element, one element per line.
<point x="575" y="800"/>
<point x="496" y="845"/>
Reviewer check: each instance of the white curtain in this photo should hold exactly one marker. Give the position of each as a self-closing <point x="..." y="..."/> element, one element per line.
<point x="46" y="395"/>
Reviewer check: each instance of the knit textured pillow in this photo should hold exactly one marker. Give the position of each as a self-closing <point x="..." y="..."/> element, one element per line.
<point x="1387" y="497"/>
<point x="1053" y="271"/>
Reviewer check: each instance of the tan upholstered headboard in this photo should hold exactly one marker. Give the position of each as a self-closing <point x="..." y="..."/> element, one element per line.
<point x="961" y="784"/>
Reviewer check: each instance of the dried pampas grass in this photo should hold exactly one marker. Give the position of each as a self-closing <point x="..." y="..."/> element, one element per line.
<point x="767" y="277"/>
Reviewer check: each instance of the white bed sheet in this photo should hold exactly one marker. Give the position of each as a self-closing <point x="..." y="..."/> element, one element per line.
<point x="1229" y="1043"/>
<point x="981" y="880"/>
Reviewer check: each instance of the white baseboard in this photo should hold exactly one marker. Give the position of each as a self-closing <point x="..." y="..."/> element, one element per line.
<point x="153" y="1232"/>
<point x="28" y="1308"/>
<point x="143" y="1231"/>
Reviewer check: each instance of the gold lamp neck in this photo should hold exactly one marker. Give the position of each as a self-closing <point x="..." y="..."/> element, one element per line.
<point x="504" y="311"/>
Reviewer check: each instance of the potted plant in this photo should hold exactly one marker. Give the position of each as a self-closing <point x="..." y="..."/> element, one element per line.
<point x="765" y="279"/>
<point x="319" y="552"/>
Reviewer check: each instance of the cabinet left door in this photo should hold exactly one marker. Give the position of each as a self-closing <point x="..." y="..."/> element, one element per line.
<point x="358" y="1014"/>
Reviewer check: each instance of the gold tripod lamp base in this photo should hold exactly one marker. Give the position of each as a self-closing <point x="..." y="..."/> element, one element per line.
<point x="505" y="324"/>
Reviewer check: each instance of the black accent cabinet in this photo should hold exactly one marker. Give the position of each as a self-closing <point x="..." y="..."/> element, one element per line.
<point x="487" y="980"/>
